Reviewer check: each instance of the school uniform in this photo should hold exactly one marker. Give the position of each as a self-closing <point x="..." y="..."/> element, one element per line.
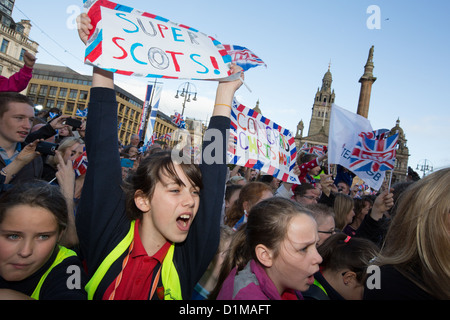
<point x="106" y="234"/>
<point x="321" y="290"/>
<point x="60" y="278"/>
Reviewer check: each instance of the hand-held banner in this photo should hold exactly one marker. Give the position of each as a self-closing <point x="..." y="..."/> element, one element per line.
<point x="132" y="42"/>
<point x="257" y="142"/>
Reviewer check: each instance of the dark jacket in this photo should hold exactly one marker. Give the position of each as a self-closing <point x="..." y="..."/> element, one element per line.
<point x="395" y="286"/>
<point x="55" y="286"/>
<point x="373" y="230"/>
<point x="101" y="220"/>
<point x="316" y="293"/>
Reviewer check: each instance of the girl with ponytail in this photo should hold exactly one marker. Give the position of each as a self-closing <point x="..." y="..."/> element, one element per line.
<point x="273" y="256"/>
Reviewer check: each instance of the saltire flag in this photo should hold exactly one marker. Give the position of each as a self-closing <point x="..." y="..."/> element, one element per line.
<point x="374" y="151"/>
<point x="317" y="150"/>
<point x="178" y="120"/>
<point x="145" y="110"/>
<point x="243" y="57"/>
<point x="80" y="165"/>
<point x="153" y="106"/>
<point x="53" y="115"/>
<point x="82" y="113"/>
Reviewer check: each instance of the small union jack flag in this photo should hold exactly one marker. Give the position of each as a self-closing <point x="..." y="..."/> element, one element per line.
<point x="166" y="136"/>
<point x="374" y="151"/>
<point x="178" y="120"/>
<point x="80" y="165"/>
<point x="243" y="57"/>
<point x="317" y="150"/>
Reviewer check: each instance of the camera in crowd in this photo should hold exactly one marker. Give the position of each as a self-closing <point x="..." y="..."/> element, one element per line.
<point x="47" y="148"/>
<point x="74" y="123"/>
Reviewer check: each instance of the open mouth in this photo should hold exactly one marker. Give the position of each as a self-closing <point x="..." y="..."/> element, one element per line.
<point x="310" y="280"/>
<point x="183" y="222"/>
<point x="23" y="133"/>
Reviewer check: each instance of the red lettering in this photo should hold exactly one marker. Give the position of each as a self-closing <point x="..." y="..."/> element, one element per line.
<point x="253" y="126"/>
<point x="125" y="54"/>
<point x="174" y="58"/>
<point x="260" y="150"/>
<point x="239" y="122"/>
<point x="283" y="159"/>
<point x="161" y="27"/>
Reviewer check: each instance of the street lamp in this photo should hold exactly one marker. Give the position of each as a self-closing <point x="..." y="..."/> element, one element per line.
<point x="187" y="90"/>
<point x="425" y="166"/>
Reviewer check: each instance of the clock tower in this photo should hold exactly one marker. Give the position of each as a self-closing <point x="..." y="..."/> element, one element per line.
<point x="321" y="110"/>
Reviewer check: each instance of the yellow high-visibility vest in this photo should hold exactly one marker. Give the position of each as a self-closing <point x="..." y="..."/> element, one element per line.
<point x="169" y="274"/>
<point x="63" y="254"/>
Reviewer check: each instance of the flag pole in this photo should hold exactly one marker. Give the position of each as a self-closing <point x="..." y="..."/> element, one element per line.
<point x="390" y="180"/>
<point x="242" y="80"/>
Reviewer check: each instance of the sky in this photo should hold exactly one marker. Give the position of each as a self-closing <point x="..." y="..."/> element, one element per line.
<point x="297" y="39"/>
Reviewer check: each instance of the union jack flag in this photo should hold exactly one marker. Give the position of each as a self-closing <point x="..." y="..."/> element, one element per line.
<point x="374" y="151"/>
<point x="166" y="136"/>
<point x="80" y="165"/>
<point x="243" y="57"/>
<point x="178" y="120"/>
<point x="152" y="139"/>
<point x="149" y="143"/>
<point x="317" y="150"/>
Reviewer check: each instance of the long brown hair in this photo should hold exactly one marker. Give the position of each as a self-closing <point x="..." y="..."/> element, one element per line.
<point x="251" y="192"/>
<point x="418" y="240"/>
<point x="342" y="206"/>
<point x="267" y="224"/>
<point x="150" y="172"/>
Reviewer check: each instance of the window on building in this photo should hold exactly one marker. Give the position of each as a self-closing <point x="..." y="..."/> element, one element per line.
<point x="52" y="92"/>
<point x="69" y="108"/>
<point x="73" y="94"/>
<point x="83" y="95"/>
<point x="22" y="52"/>
<point x="50" y="104"/>
<point x="33" y="88"/>
<point x="62" y="93"/>
<point x="43" y="91"/>
<point x="4" y="47"/>
<point x="60" y="104"/>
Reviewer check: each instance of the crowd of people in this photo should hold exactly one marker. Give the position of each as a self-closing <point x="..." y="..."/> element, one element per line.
<point x="140" y="226"/>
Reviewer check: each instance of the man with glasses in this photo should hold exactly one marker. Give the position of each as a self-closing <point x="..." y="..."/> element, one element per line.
<point x="306" y="194"/>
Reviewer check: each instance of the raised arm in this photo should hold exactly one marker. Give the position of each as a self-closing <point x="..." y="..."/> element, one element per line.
<point x="100" y="219"/>
<point x="100" y="78"/>
<point x="203" y="239"/>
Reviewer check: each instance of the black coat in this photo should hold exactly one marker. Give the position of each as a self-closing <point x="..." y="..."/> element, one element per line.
<point x="101" y="220"/>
